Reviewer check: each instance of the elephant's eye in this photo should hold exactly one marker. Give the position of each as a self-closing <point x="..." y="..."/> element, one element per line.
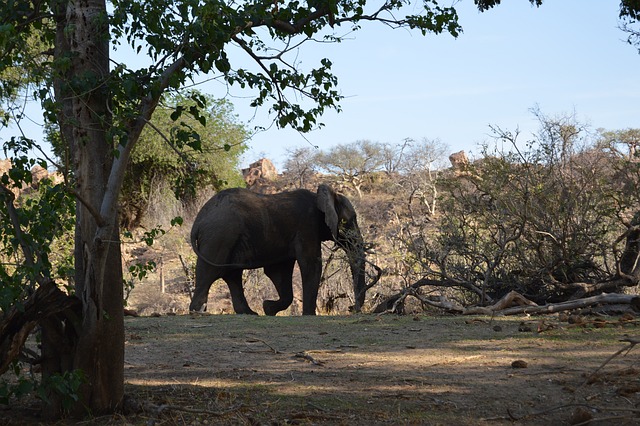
<point x="345" y="224"/>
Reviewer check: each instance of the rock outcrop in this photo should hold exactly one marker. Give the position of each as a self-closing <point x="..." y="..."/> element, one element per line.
<point x="459" y="161"/>
<point x="260" y="176"/>
<point x="38" y="173"/>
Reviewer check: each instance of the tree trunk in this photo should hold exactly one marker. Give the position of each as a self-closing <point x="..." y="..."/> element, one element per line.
<point x="82" y="94"/>
<point x="630" y="259"/>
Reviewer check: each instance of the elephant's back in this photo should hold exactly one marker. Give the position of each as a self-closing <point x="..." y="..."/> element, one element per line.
<point x="239" y="206"/>
<point x="221" y="207"/>
<point x="242" y="199"/>
<point x="230" y="200"/>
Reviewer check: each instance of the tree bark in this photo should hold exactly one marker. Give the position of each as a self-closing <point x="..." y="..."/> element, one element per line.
<point x="82" y="40"/>
<point x="630" y="258"/>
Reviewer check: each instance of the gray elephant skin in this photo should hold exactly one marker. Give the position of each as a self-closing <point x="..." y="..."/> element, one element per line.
<point x="238" y="229"/>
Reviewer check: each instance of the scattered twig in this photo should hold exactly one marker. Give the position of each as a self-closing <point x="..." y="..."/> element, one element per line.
<point x="632" y="342"/>
<point x="189" y="363"/>
<point x="254" y="340"/>
<point x="309" y="358"/>
<point x="513" y="417"/>
<point x="160" y="409"/>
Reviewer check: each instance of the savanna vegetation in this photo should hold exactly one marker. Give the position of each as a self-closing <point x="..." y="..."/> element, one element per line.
<point x="554" y="218"/>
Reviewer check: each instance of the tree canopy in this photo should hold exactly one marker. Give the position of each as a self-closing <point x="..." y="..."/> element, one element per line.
<point x="163" y="162"/>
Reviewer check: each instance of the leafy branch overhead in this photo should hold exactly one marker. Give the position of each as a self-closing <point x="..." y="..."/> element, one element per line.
<point x="196" y="37"/>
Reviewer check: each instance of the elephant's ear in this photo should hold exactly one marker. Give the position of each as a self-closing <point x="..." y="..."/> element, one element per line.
<point x="327" y="204"/>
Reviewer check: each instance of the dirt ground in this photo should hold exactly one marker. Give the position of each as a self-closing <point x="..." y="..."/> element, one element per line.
<point x="365" y="370"/>
<point x="377" y="370"/>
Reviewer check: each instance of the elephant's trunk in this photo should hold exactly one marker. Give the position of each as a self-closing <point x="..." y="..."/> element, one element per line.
<point x="353" y="245"/>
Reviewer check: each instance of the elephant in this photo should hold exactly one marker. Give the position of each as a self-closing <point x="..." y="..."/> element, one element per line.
<point x="238" y="229"/>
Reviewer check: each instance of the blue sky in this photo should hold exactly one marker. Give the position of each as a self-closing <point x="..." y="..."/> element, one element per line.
<point x="565" y="57"/>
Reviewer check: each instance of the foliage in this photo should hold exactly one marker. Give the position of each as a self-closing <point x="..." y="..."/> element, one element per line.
<point x="182" y="152"/>
<point x="35" y="245"/>
<point x="540" y="220"/>
<point x="23" y="385"/>
<point x="300" y="165"/>
<point x="359" y="163"/>
<point x="484" y="5"/>
<point x="20" y="70"/>
<point x="200" y="35"/>
<point x="419" y="165"/>
<point x="622" y="148"/>
<point x="353" y="162"/>
<point x="38" y="223"/>
<point x="629" y="20"/>
<point x="65" y="386"/>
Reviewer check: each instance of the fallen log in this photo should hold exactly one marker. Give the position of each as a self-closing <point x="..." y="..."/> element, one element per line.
<point x="505" y="306"/>
<point x="394" y="303"/>
<point x="605" y="298"/>
<point x="526" y="306"/>
<point x="508" y="300"/>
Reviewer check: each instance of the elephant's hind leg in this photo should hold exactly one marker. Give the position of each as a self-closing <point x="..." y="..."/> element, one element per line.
<point x="282" y="276"/>
<point x="234" y="281"/>
<point x="205" y="276"/>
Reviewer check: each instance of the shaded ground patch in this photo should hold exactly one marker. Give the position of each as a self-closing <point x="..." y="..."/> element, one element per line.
<point x="364" y="369"/>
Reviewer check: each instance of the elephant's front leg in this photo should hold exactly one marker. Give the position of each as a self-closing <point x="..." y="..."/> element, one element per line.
<point x="310" y="269"/>
<point x="239" y="301"/>
<point x="282" y="276"/>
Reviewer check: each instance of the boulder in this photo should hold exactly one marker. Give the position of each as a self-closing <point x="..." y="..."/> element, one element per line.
<point x="262" y="168"/>
<point x="459" y="160"/>
<point x="259" y="176"/>
<point x="5" y="166"/>
<point x="38" y="173"/>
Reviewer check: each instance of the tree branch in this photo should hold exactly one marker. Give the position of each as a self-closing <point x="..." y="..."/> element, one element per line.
<point x="134" y="130"/>
<point x="21" y="319"/>
<point x="15" y="223"/>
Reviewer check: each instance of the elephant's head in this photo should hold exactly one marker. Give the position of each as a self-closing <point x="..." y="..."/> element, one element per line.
<point x="340" y="217"/>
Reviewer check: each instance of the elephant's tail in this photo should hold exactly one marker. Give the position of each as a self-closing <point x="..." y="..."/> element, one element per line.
<point x="194" y="240"/>
<point x="196" y="249"/>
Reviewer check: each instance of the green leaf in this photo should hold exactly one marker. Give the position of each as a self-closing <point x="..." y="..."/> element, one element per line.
<point x="223" y="65"/>
<point x="177" y="113"/>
